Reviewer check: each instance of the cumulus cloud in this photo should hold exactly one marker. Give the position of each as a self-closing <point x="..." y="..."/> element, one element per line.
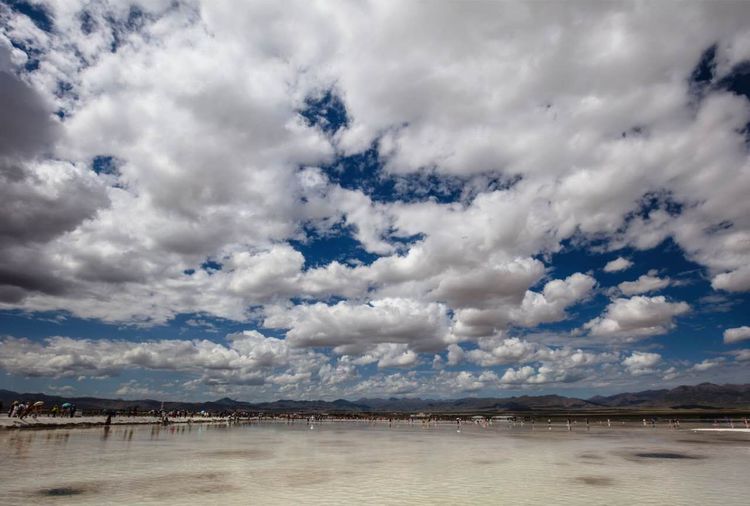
<point x="388" y="355"/>
<point x="639" y="363"/>
<point x="737" y="334"/>
<point x="227" y="178"/>
<point x="707" y="364"/>
<point x="391" y="384"/>
<point x="636" y="318"/>
<point x="503" y="136"/>
<point x="247" y="359"/>
<point x="646" y="283"/>
<point x="737" y="280"/>
<point x="350" y="327"/>
<point x="534" y="308"/>
<point x="618" y="264"/>
<point x="741" y="355"/>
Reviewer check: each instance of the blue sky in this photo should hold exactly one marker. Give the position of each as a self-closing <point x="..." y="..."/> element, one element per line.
<point x="203" y="199"/>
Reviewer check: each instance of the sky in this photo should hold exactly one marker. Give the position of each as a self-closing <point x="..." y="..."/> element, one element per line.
<point x="321" y="200"/>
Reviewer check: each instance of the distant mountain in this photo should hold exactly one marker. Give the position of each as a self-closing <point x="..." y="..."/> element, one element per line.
<point x="524" y="403"/>
<point x="703" y="396"/>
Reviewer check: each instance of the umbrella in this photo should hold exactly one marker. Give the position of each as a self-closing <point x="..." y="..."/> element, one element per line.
<point x="66" y="405"/>
<point x="38" y="403"/>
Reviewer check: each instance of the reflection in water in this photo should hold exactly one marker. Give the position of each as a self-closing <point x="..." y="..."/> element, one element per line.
<point x="599" y="481"/>
<point x="365" y="463"/>
<point x="666" y="455"/>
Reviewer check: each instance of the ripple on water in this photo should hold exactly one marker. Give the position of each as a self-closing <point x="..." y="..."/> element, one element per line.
<point x="590" y="456"/>
<point x="306" y="477"/>
<point x="483" y="462"/>
<point x="666" y="456"/>
<point x="246" y="453"/>
<point x="336" y="443"/>
<point x="597" y="481"/>
<point x="67" y="490"/>
<point x="182" y="484"/>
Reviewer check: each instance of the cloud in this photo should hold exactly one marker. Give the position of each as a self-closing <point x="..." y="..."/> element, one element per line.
<point x="636" y="317"/>
<point x="388" y="355"/>
<point x="741" y="355"/>
<point x="40" y="199"/>
<point x="618" y="264"/>
<point x="392" y="384"/>
<point x="228" y="183"/>
<point x="534" y="308"/>
<point x="737" y="334"/>
<point x="707" y="364"/>
<point x="508" y="351"/>
<point x="249" y="358"/>
<point x="351" y="327"/>
<point x="737" y="280"/>
<point x="483" y="286"/>
<point x="644" y="284"/>
<point x="639" y="363"/>
<point x="432" y="216"/>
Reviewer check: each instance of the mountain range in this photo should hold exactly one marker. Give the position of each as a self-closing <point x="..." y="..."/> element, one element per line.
<point x="702" y="396"/>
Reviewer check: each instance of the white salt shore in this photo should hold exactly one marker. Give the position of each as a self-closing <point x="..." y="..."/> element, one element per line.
<point x="721" y="430"/>
<point x="48" y="422"/>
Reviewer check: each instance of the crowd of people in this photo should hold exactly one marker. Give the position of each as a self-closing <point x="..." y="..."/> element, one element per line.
<point x="22" y="409"/>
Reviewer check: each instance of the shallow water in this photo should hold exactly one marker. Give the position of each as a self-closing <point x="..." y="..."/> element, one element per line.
<point x="345" y="463"/>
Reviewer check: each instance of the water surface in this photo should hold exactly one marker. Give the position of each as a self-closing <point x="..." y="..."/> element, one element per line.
<point x="364" y="463"/>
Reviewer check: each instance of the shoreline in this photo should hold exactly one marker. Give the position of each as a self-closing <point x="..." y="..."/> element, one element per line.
<point x="83" y="422"/>
<point x="98" y="421"/>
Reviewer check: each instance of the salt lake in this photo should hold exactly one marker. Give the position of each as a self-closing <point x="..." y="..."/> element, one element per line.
<point x="373" y="463"/>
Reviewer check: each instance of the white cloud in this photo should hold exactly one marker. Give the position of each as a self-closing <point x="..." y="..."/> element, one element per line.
<point x="388" y="355"/>
<point x="639" y="363"/>
<point x="618" y="264"/>
<point x="636" y="317"/>
<point x="342" y="371"/>
<point x="534" y="308"/>
<point x="737" y="280"/>
<point x="644" y="284"/>
<point x="741" y="355"/>
<point x="456" y="354"/>
<point x="249" y="357"/>
<point x="392" y="384"/>
<point x="707" y="364"/>
<point x="736" y="334"/>
<point x="351" y="327"/>
<point x="552" y="136"/>
<point x="521" y="375"/>
<point x="508" y="351"/>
